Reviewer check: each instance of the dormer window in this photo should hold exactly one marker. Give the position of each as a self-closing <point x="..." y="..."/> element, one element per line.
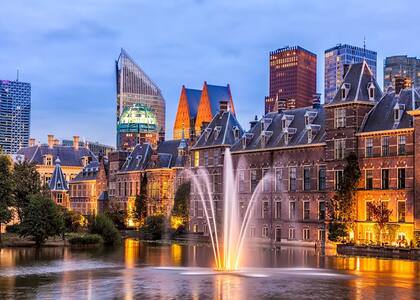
<point x="217" y="131"/>
<point x="345" y="89"/>
<point x="85" y="161"/>
<point x="207" y="133"/>
<point x="244" y="142"/>
<point x="396" y="114"/>
<point x="398" y="111"/>
<point x="48" y="160"/>
<point x="236" y="133"/>
<point x="371" y="91"/>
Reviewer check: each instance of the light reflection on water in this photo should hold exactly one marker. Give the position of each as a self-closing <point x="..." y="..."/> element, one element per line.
<point x="130" y="272"/>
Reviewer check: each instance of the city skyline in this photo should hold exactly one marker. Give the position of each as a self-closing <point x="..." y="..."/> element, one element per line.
<point x="79" y="91"/>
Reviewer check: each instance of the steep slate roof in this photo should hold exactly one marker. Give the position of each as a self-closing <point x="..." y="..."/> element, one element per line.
<point x="88" y="173"/>
<point x="68" y="155"/>
<point x="276" y="134"/>
<point x="358" y="76"/>
<point x="193" y="98"/>
<point x="216" y="94"/>
<point x="220" y="131"/>
<point x="381" y="117"/>
<point x="58" y="181"/>
<point x="137" y="160"/>
<point x="167" y="152"/>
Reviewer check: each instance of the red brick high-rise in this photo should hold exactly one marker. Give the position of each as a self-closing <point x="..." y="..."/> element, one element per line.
<point x="292" y="76"/>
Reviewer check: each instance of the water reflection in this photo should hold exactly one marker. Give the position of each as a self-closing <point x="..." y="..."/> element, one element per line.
<point x="128" y="272"/>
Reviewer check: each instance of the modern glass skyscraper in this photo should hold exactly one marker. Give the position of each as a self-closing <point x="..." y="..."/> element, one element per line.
<point x="337" y="60"/>
<point x="15" y="112"/>
<point x="135" y="87"/>
<point x="401" y="68"/>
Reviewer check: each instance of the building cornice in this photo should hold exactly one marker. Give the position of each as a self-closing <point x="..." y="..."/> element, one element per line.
<point x="414" y="112"/>
<point x="281" y="148"/>
<point x="346" y="103"/>
<point x="388" y="131"/>
<point x="212" y="146"/>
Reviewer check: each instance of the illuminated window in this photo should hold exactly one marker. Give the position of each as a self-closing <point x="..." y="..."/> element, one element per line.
<point x="196" y="159"/>
<point x="401" y="211"/>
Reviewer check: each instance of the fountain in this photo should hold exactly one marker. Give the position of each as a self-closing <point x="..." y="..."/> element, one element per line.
<point x="227" y="242"/>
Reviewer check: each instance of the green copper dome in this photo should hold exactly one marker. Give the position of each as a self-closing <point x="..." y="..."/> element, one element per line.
<point x="137" y="117"/>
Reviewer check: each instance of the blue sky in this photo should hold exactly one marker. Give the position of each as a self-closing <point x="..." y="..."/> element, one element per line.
<point x="66" y="49"/>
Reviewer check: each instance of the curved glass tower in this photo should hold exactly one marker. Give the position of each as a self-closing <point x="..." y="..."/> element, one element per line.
<point x="135" y="87"/>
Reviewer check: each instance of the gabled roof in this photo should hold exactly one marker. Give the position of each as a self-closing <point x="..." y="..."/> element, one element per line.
<point x="216" y="94"/>
<point x="167" y="152"/>
<point x="193" y="99"/>
<point x="296" y="128"/>
<point x="137" y="160"/>
<point x="69" y="156"/>
<point x="381" y="117"/>
<point x="220" y="131"/>
<point x="359" y="76"/>
<point x="89" y="172"/>
<point x="58" y="181"/>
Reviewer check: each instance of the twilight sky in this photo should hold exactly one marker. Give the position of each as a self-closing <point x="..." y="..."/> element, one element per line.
<point x="66" y="49"/>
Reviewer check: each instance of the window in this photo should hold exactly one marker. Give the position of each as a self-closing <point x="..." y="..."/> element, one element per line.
<point x="322" y="178"/>
<point x="321" y="235"/>
<point x="196" y="159"/>
<point x="369" y="147"/>
<point x="340" y="117"/>
<point x="292" y="210"/>
<point x="278" y="234"/>
<point x="266" y="181"/>
<point x="401" y="178"/>
<point x="385" y="145"/>
<point x="307" y="178"/>
<point x="292" y="233"/>
<point x="241" y="181"/>
<point x="321" y="210"/>
<point x="306" y="210"/>
<point x="401" y="144"/>
<point x="264" y="233"/>
<point x="206" y="159"/>
<point x="278" y="210"/>
<point x="264" y="210"/>
<point x="369" y="179"/>
<point x="252" y="231"/>
<point x="279" y="180"/>
<point x="368" y="214"/>
<point x="59" y="198"/>
<point x="385" y="179"/>
<point x="339" y="148"/>
<point x="338" y="178"/>
<point x="397" y="114"/>
<point x="306" y="234"/>
<point x="401" y="211"/>
<point x="216" y="157"/>
<point x="254" y="180"/>
<point x="292" y="179"/>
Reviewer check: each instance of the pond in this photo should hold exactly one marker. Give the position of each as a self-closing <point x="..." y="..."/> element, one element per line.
<point x="139" y="270"/>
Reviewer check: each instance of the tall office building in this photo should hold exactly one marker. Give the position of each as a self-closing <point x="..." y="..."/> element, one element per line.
<point x="15" y="112"/>
<point x="337" y="60"/>
<point x="400" y="71"/>
<point x="292" y="76"/>
<point x="135" y="87"/>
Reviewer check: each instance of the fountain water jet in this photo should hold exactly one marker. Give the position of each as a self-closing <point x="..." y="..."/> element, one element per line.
<point x="233" y="232"/>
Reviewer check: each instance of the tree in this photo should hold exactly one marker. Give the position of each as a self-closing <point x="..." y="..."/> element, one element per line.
<point x="337" y="231"/>
<point x="379" y="213"/>
<point x="342" y="205"/>
<point x="154" y="228"/>
<point x="27" y="183"/>
<point x="140" y="203"/>
<point x="116" y="212"/>
<point x="73" y="220"/>
<point x="180" y="209"/>
<point x="104" y="226"/>
<point x="6" y="190"/>
<point x="42" y="219"/>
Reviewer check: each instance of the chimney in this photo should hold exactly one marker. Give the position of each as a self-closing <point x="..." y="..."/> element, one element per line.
<point x="291" y="104"/>
<point x="76" y="142"/>
<point x="50" y="140"/>
<point x="316" y="102"/>
<point x="346" y="68"/>
<point x="253" y="123"/>
<point x="281" y="105"/>
<point x="223" y="106"/>
<point x="32" y="142"/>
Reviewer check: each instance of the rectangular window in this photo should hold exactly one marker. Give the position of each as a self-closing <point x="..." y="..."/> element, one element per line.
<point x="322" y="178"/>
<point x="306" y="235"/>
<point x="401" y="144"/>
<point x="369" y="147"/>
<point x="292" y="179"/>
<point x="385" y="179"/>
<point x="264" y="210"/>
<point x="264" y="232"/>
<point x="321" y="210"/>
<point x="307" y="178"/>
<point x="241" y="181"/>
<point x="216" y="157"/>
<point x="266" y="181"/>
<point x="401" y="211"/>
<point x="306" y="210"/>
<point x="321" y="235"/>
<point x="196" y="159"/>
<point x="279" y="180"/>
<point x="401" y="178"/>
<point x="339" y="148"/>
<point x="278" y="209"/>
<point x="206" y="159"/>
<point x="338" y="178"/>
<point x="252" y="231"/>
<point x="254" y="180"/>
<point x="385" y="145"/>
<point x="340" y="117"/>
<point x="369" y="179"/>
<point x="292" y="233"/>
<point x="292" y="210"/>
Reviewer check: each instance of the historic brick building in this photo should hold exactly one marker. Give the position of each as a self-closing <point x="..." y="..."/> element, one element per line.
<point x="197" y="108"/>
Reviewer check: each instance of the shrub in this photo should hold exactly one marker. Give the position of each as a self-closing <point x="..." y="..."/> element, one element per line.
<point x="104" y="226"/>
<point x="154" y="228"/>
<point x="337" y="231"/>
<point x="73" y="220"/>
<point x="85" y="239"/>
<point x="12" y="228"/>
